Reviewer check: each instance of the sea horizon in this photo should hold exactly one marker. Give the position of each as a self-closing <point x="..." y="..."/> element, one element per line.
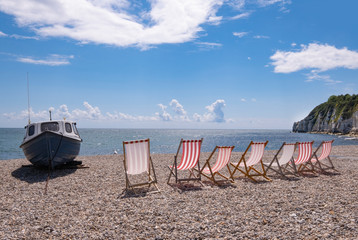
<point x="106" y="141"/>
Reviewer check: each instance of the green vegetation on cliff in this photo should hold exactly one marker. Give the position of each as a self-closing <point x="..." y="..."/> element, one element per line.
<point x="344" y="106"/>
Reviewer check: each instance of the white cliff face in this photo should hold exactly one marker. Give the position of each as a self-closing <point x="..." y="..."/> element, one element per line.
<point x="355" y="123"/>
<point x="328" y="124"/>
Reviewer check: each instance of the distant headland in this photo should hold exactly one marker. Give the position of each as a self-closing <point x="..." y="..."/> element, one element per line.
<point x="339" y="115"/>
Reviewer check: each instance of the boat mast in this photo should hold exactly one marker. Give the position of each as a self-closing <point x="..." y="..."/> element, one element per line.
<point x="28" y="97"/>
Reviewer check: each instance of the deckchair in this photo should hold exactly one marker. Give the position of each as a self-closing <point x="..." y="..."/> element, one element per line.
<point x="303" y="158"/>
<point x="223" y="158"/>
<point x="278" y="164"/>
<point x="189" y="160"/>
<point x="325" y="147"/>
<point x="247" y="166"/>
<point x="137" y="160"/>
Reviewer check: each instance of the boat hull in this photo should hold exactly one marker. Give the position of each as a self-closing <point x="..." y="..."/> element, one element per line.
<point x="50" y="149"/>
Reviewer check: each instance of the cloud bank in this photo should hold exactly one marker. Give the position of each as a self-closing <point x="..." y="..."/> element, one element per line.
<point x="176" y="112"/>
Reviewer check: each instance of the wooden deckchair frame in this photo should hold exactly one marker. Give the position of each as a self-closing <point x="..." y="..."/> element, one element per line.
<point x="174" y="168"/>
<point x="281" y="170"/>
<point x="318" y="160"/>
<point x="152" y="178"/>
<point x="213" y="173"/>
<point x="299" y="168"/>
<point x="247" y="169"/>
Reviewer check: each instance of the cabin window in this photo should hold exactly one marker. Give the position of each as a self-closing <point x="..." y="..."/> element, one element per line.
<point x="68" y="127"/>
<point x="50" y="126"/>
<point x="75" y="128"/>
<point x="31" y="130"/>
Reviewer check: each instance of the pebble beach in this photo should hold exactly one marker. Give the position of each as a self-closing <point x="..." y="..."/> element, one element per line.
<point x="89" y="203"/>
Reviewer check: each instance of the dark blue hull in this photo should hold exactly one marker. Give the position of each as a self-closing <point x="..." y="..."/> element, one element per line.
<point x="51" y="149"/>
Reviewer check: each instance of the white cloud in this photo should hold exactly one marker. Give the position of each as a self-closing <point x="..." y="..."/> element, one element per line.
<point x="265" y="3"/>
<point x="16" y="36"/>
<point x="119" y="116"/>
<point x="313" y="75"/>
<point x="237" y="4"/>
<point x="240" y="34"/>
<point x="261" y="37"/>
<point x="52" y="60"/>
<point x="90" y="112"/>
<point x="127" y="117"/>
<point x="63" y="112"/>
<point x="242" y="4"/>
<point x="164" y="115"/>
<point x="208" y="45"/>
<point x="320" y="57"/>
<point x="109" y="22"/>
<point x="282" y="3"/>
<point x="3" y="34"/>
<point x="179" y="110"/>
<point x="25" y="114"/>
<point x="215" y="113"/>
<point x="241" y="15"/>
<point x="245" y="100"/>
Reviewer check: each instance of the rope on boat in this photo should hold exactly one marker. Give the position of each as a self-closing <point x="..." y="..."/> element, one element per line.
<point x="50" y="159"/>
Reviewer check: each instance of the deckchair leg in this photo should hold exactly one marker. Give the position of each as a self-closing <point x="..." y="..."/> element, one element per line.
<point x="249" y="176"/>
<point x="280" y="169"/>
<point x="236" y="167"/>
<point x="293" y="165"/>
<point x="259" y="173"/>
<point x="325" y="166"/>
<point x="223" y="176"/>
<point x="330" y="161"/>
<point x="280" y="172"/>
<point x="170" y="174"/>
<point x="305" y="166"/>
<point x="264" y="172"/>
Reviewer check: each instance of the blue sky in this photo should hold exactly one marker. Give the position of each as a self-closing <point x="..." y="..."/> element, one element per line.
<point x="247" y="64"/>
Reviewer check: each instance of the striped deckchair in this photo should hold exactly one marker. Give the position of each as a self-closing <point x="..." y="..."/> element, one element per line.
<point x="303" y="158"/>
<point x="278" y="164"/>
<point x="325" y="147"/>
<point x="189" y="160"/>
<point x="223" y="158"/>
<point x="137" y="160"/>
<point x="247" y="166"/>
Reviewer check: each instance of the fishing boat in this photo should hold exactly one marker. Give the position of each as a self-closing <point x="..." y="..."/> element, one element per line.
<point x="51" y="143"/>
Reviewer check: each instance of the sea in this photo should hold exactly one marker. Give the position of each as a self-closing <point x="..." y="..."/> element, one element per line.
<point x="107" y="141"/>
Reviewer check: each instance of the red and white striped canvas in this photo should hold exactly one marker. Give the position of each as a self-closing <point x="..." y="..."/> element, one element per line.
<point x="137" y="156"/>
<point x="326" y="150"/>
<point x="190" y="155"/>
<point x="304" y="152"/>
<point x="222" y="160"/>
<point x="257" y="151"/>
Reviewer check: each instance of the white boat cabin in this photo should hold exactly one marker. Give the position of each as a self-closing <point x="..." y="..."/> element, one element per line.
<point x="61" y="127"/>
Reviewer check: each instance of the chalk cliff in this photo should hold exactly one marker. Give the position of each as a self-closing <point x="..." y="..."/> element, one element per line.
<point x="338" y="115"/>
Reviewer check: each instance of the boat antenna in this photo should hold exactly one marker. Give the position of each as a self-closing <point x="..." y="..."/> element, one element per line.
<point x="28" y="97"/>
